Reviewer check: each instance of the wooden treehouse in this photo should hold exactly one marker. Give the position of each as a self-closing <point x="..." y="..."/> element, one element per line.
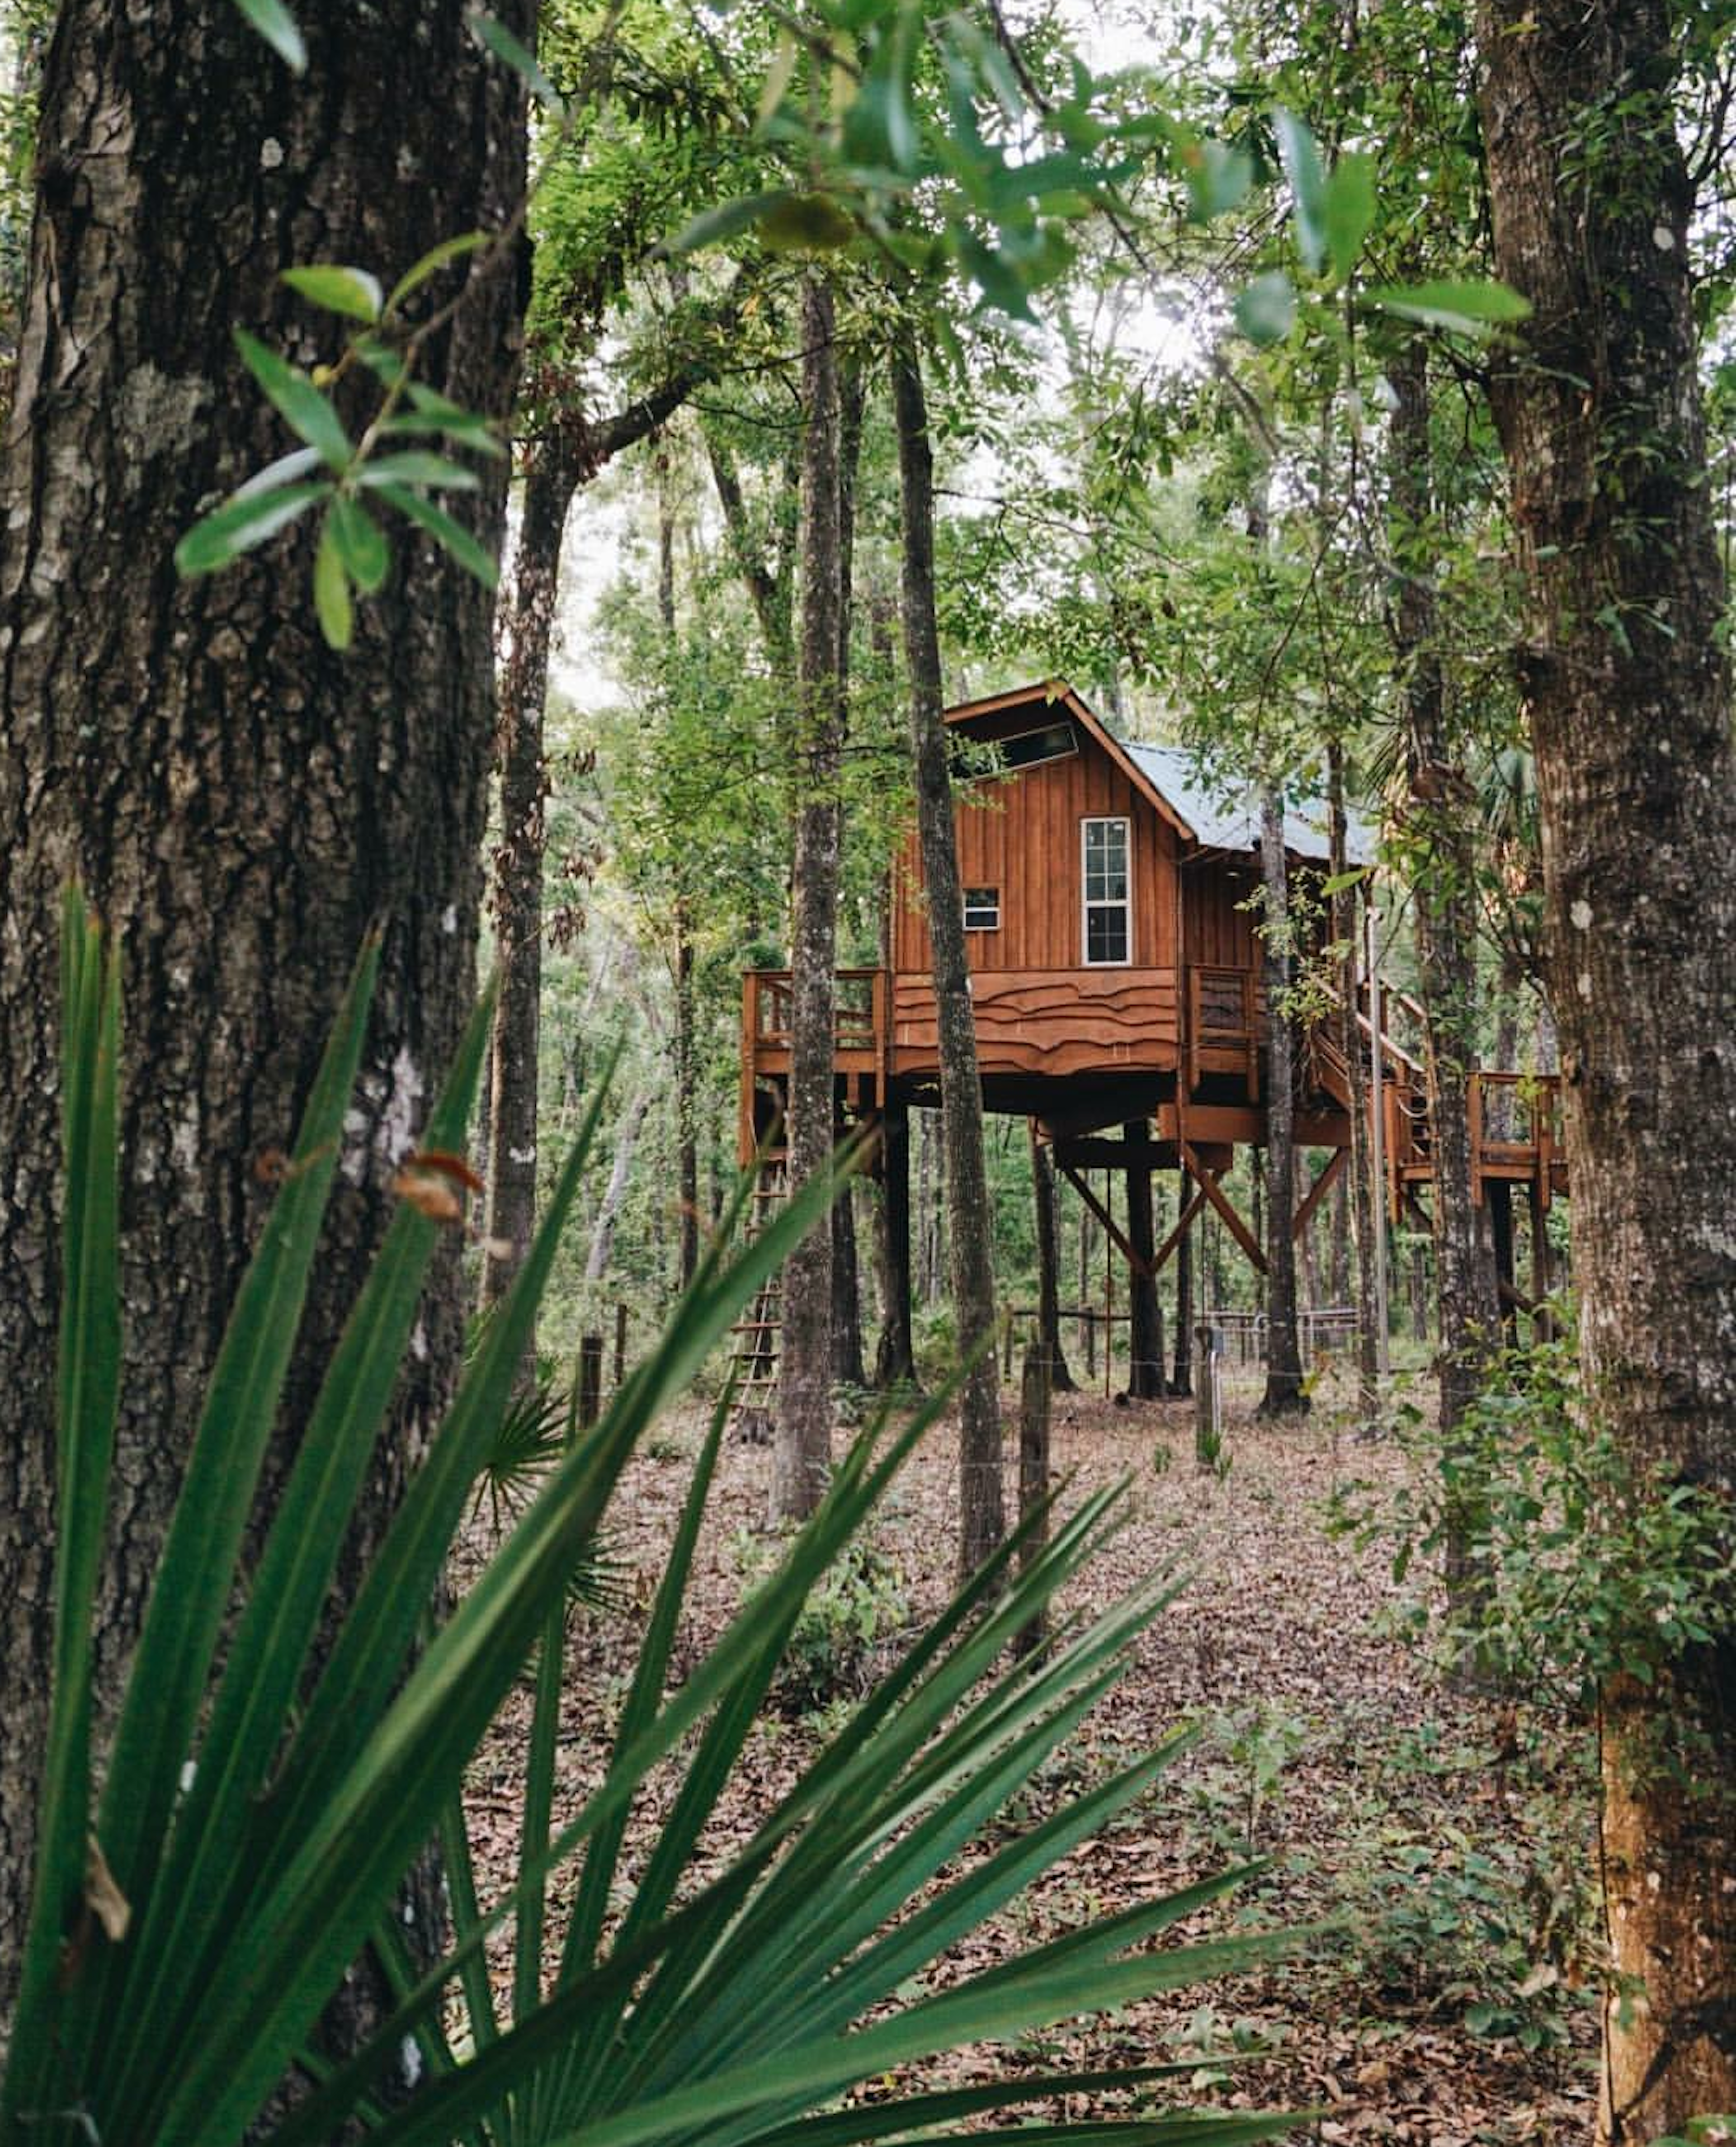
<point x="1116" y="984"/>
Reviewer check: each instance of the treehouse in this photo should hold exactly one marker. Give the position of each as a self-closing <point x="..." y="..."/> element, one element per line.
<point x="1111" y="914"/>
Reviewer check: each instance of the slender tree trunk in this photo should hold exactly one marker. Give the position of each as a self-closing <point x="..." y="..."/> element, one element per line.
<point x="847" y="1368"/>
<point x="1048" y="1279"/>
<point x="687" y="1101"/>
<point x="1145" y="1325"/>
<point x="602" y="1233"/>
<point x="551" y="475"/>
<point x="1446" y="919"/>
<point x="1034" y="1392"/>
<point x="894" y="1360"/>
<point x="1283" y="1395"/>
<point x="1626" y="680"/>
<point x="1340" y="1255"/>
<point x="240" y="801"/>
<point x="981" y="1511"/>
<point x="1366" y="1200"/>
<point x="802" y="1453"/>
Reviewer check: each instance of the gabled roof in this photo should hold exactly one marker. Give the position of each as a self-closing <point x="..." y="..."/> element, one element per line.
<point x="1173" y="780"/>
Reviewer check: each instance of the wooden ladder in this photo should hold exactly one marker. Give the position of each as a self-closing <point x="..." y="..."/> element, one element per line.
<point x="757" y="1337"/>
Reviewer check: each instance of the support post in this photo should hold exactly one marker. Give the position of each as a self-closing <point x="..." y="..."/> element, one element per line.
<point x="590" y="1380"/>
<point x="1145" y="1328"/>
<point x="620" y="1344"/>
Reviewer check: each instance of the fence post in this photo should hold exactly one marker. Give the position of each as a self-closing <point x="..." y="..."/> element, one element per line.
<point x="620" y="1344"/>
<point x="590" y="1380"/>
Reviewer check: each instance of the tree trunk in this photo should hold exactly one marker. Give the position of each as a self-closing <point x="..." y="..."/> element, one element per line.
<point x="981" y="1513"/>
<point x="1626" y="682"/>
<point x="687" y="1103"/>
<point x="1048" y="1278"/>
<point x="1034" y="1390"/>
<point x="1145" y="1324"/>
<point x="603" y="1231"/>
<point x="551" y="475"/>
<point x="803" y="1454"/>
<point x="1366" y="1200"/>
<point x="1283" y="1395"/>
<point x="240" y="802"/>
<point x="1446" y="921"/>
<point x="894" y="1360"/>
<point x="847" y="1368"/>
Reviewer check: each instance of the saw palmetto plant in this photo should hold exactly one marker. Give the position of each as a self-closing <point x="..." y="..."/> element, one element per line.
<point x="201" y="1892"/>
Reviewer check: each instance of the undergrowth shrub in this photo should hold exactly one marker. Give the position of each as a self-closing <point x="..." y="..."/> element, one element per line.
<point x="846" y="1627"/>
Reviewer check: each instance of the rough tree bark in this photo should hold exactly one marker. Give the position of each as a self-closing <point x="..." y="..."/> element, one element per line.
<point x="240" y="801"/>
<point x="1283" y="1395"/>
<point x="982" y="1511"/>
<point x="802" y="1453"/>
<point x="1627" y="683"/>
<point x="562" y="457"/>
<point x="1445" y="897"/>
<point x="894" y="1360"/>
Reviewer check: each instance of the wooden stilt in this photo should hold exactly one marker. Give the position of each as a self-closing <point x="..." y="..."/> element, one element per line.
<point x="1145" y="1331"/>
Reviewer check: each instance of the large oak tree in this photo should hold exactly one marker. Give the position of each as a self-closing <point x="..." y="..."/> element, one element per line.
<point x="1627" y="683"/>
<point x="241" y="802"/>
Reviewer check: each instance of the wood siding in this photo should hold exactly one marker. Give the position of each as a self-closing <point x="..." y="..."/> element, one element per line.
<point x="1048" y="1021"/>
<point x="1020" y="834"/>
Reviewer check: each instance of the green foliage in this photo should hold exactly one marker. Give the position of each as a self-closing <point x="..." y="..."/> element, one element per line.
<point x="260" y="1808"/>
<point x="847" y="1629"/>
<point x="1589" y="1566"/>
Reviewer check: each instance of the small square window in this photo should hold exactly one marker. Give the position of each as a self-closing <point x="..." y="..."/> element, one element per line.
<point x="981" y="909"/>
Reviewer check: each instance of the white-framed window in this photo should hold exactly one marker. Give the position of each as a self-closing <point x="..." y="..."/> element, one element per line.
<point x="1106" y="887"/>
<point x="981" y="909"/>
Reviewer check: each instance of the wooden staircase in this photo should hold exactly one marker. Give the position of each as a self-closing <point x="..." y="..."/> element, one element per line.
<point x="754" y="1365"/>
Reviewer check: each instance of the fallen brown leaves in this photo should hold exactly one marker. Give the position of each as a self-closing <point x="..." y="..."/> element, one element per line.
<point x="1273" y="1642"/>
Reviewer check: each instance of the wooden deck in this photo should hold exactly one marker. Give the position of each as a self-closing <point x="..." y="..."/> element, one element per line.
<point x="1191" y="1054"/>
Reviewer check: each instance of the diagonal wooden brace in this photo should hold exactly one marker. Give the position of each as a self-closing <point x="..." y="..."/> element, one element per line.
<point x="1233" y="1222"/>
<point x="1318" y="1191"/>
<point x="1142" y="1268"/>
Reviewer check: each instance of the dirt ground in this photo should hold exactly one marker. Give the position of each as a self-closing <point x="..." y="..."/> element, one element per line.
<point x="1443" y="2009"/>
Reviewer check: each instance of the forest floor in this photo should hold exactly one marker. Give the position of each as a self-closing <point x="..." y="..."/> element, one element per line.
<point x="1446" y="1836"/>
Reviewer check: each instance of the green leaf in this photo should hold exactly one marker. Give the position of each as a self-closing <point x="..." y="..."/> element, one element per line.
<point x="275" y="23"/>
<point x="451" y="536"/>
<point x="1301" y="156"/>
<point x="805" y="224"/>
<point x="418" y="468"/>
<point x="1348" y="210"/>
<point x="1463" y="309"/>
<point x="1266" y="310"/>
<point x="500" y="42"/>
<point x="301" y="405"/>
<point x="241" y="523"/>
<point x="1218" y="177"/>
<point x="350" y="292"/>
<point x="330" y="590"/>
<point x="89" y="1354"/>
<point x="726" y="220"/>
<point x="432" y="262"/>
<point x="298" y="462"/>
<point x="360" y="544"/>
